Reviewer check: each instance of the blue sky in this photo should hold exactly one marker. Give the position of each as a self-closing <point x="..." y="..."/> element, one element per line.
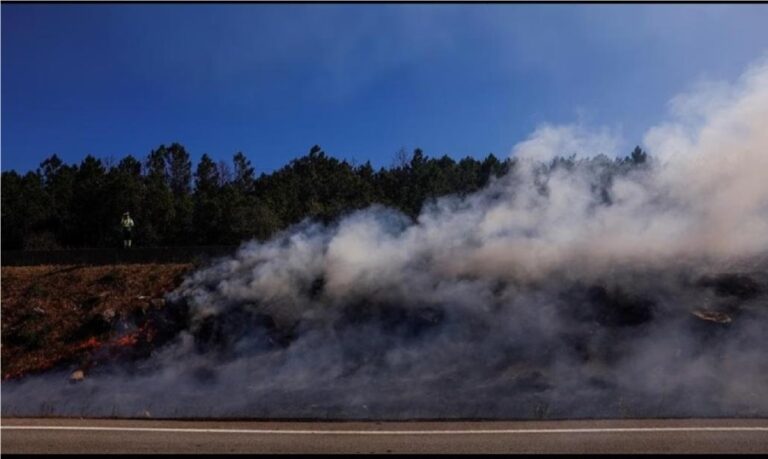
<point x="362" y="81"/>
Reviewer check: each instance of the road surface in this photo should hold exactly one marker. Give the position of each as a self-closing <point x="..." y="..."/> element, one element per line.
<point x="152" y="436"/>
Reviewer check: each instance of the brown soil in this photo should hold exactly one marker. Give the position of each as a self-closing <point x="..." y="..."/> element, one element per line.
<point x="55" y="315"/>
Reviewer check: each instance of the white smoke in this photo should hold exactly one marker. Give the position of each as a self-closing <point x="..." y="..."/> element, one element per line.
<point x="717" y="168"/>
<point x="564" y="294"/>
<point x="550" y="141"/>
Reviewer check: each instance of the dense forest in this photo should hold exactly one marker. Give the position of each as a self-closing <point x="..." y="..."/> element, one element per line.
<point x="173" y="204"/>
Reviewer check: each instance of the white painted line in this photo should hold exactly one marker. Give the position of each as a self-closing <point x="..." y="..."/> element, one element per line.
<point x="391" y="432"/>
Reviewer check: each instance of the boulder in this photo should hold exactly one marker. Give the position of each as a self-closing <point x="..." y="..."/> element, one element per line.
<point x="77" y="376"/>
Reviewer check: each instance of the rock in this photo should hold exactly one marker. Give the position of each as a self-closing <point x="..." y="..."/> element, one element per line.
<point x="108" y="314"/>
<point x="77" y="376"/>
<point x="712" y="316"/>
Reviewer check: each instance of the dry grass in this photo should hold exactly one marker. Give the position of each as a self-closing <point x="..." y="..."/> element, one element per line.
<point x="54" y="315"/>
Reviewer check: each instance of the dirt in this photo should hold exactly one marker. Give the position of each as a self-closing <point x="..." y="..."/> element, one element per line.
<point x="57" y="315"/>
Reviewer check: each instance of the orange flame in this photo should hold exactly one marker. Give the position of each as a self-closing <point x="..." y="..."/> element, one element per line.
<point x="90" y="343"/>
<point x="127" y="340"/>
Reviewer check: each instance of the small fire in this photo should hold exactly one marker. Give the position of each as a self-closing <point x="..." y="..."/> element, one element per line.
<point x="126" y="340"/>
<point x="90" y="343"/>
<point x="98" y="349"/>
<point x="143" y="333"/>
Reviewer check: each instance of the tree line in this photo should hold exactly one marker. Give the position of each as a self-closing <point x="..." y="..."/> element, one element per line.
<point x="62" y="205"/>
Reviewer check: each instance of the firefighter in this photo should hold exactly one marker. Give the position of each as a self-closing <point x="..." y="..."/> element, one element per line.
<point x="127" y="224"/>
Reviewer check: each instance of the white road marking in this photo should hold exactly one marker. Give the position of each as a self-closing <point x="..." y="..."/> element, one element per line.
<point x="391" y="432"/>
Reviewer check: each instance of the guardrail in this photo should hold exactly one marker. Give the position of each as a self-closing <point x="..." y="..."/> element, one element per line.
<point x="110" y="256"/>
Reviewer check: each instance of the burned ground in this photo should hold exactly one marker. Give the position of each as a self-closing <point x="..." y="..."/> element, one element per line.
<point x="58" y="316"/>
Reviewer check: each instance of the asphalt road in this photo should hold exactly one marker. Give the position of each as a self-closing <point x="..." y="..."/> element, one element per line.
<point x="151" y="436"/>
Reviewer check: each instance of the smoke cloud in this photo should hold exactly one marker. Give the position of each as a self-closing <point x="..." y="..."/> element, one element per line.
<point x="563" y="293"/>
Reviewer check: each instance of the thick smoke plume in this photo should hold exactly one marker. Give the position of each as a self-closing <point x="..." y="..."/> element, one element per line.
<point x="559" y="293"/>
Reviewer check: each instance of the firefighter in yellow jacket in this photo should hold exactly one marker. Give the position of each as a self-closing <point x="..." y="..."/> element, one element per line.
<point x="127" y="224"/>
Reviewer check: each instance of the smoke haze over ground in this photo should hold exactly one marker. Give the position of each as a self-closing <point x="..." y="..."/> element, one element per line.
<point x="573" y="292"/>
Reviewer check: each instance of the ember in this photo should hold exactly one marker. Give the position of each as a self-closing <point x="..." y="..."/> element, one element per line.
<point x="127" y="340"/>
<point x="90" y="343"/>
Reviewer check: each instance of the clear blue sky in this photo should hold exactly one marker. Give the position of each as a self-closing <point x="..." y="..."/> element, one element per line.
<point x="361" y="80"/>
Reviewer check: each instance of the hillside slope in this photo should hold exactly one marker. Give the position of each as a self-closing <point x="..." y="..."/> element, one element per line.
<point x="59" y="315"/>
